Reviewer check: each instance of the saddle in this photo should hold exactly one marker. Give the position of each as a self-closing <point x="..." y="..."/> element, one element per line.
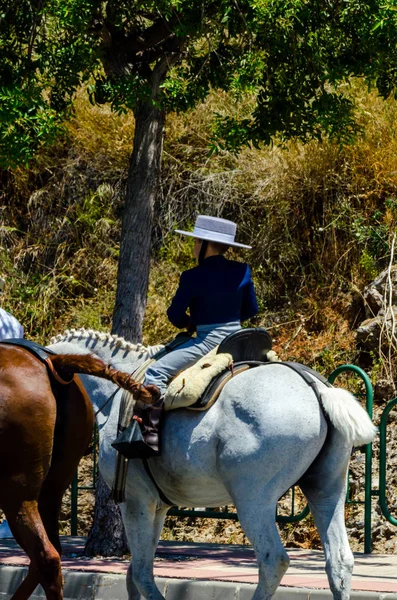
<point x="198" y="387"/>
<point x="249" y="345"/>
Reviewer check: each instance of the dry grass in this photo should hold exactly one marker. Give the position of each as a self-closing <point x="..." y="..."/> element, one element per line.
<point x="315" y="214"/>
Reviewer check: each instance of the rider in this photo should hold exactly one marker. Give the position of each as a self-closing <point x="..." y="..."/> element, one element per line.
<point x="219" y="294"/>
<point x="9" y="326"/>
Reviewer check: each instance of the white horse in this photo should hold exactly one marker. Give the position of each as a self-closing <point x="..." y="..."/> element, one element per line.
<point x="265" y="433"/>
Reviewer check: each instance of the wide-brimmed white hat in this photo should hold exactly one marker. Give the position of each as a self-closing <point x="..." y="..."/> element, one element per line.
<point x="214" y="229"/>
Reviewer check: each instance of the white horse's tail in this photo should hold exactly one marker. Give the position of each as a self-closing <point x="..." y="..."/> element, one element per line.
<point x="348" y="416"/>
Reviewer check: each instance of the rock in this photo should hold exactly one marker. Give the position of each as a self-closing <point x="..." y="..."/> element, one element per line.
<point x="384" y="389"/>
<point x="377" y="294"/>
<point x="368" y="334"/>
<point x="373" y="301"/>
<point x="378" y="332"/>
<point x="391" y="546"/>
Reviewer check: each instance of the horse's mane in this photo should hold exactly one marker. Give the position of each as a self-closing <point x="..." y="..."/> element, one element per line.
<point x="105" y="337"/>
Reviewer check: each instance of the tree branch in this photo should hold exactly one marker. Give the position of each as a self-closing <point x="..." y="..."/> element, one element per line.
<point x="141" y="41"/>
<point x="36" y="22"/>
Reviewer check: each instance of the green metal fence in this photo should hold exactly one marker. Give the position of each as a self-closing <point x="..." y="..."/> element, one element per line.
<point x="383" y="463"/>
<point x="295" y="514"/>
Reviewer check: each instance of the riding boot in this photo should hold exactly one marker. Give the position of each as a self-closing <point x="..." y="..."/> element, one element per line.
<point x="141" y="438"/>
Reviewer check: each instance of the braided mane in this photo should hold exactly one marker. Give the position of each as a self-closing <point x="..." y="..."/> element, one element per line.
<point x="105" y="337"/>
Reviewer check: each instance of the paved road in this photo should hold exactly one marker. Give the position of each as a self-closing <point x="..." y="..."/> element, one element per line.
<point x="203" y="571"/>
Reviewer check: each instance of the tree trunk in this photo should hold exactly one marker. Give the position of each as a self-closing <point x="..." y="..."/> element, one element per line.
<point x="142" y="187"/>
<point x="107" y="536"/>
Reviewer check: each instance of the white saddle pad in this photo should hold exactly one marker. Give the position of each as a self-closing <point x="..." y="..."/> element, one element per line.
<point x="189" y="385"/>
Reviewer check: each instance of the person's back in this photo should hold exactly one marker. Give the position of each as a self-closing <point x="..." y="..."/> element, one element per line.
<point x="218" y="290"/>
<point x="10" y="327"/>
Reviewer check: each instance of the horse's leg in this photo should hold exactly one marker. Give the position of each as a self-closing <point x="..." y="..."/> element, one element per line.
<point x="143" y="522"/>
<point x="324" y="485"/>
<point x="31" y="581"/>
<point x="258" y="522"/>
<point x="50" y="502"/>
<point x="45" y="566"/>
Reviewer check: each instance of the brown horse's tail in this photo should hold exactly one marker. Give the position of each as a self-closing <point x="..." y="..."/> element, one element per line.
<point x="89" y="364"/>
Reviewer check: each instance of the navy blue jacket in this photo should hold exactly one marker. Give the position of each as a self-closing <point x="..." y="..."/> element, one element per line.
<point x="216" y="291"/>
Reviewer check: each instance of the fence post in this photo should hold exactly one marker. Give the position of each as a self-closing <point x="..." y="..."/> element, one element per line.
<point x="73" y="501"/>
<point x="382" y="462"/>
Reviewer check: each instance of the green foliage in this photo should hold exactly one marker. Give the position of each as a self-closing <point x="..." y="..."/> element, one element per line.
<point x="96" y="209"/>
<point x="26" y="122"/>
<point x="294" y="59"/>
<point x="373" y="235"/>
<point x="368" y="264"/>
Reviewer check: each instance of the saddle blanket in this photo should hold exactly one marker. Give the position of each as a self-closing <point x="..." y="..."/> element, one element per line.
<point x="190" y="384"/>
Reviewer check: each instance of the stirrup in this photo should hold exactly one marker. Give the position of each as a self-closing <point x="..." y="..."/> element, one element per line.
<point x="130" y="443"/>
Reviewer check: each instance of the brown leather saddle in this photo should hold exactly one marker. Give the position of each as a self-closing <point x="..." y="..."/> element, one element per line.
<point x="249" y="348"/>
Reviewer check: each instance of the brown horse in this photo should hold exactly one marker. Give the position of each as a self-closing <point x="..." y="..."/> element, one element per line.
<point x="45" y="428"/>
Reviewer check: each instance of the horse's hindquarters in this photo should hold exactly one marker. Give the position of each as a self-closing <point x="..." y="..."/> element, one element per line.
<point x="73" y="432"/>
<point x="27" y="422"/>
<point x="272" y="428"/>
<point x="263" y="433"/>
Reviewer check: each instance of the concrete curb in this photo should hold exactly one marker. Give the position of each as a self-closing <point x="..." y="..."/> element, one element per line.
<point x="98" y="586"/>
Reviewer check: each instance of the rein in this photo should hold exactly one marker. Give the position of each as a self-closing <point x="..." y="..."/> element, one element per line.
<point x="100" y="409"/>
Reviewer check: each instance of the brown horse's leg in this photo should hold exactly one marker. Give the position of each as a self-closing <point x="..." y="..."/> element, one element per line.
<point x="31" y="581"/>
<point x="49" y="506"/>
<point x="45" y="566"/>
<point x="50" y="503"/>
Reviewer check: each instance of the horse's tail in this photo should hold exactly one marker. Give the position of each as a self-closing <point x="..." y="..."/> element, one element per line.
<point x="348" y="416"/>
<point x="90" y="364"/>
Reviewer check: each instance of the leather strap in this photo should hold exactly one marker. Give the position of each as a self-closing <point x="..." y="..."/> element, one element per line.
<point x="163" y="497"/>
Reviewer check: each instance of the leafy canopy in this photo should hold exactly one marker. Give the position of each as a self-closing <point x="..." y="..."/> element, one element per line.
<point x="294" y="58"/>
